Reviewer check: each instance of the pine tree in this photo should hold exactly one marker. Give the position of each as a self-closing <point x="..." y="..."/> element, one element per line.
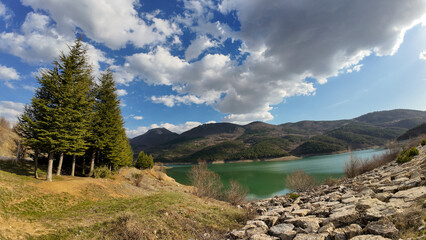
<point x="108" y="131"/>
<point x="144" y="161"/>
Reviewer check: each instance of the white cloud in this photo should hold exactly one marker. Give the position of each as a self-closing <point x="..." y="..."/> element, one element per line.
<point x="112" y="22"/>
<point x="197" y="47"/>
<point x="287" y="42"/>
<point x="11" y="110"/>
<point x="180" y="128"/>
<point x="29" y="88"/>
<point x="121" y="92"/>
<point x="7" y="74"/>
<point x="5" y="12"/>
<point x="422" y="55"/>
<point x="137" y="117"/>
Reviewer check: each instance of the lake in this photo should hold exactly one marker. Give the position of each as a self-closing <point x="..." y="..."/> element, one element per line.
<point x="267" y="179"/>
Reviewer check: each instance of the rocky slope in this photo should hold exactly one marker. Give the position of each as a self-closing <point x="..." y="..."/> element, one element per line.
<point x="376" y="205"/>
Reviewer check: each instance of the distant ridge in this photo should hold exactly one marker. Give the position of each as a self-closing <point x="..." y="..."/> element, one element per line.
<point x="258" y="140"/>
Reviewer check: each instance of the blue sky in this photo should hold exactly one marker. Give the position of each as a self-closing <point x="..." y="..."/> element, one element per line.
<point x="182" y="63"/>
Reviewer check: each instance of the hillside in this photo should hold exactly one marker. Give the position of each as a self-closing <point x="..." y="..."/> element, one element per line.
<point x="258" y="140"/>
<point x="413" y="132"/>
<point x="134" y="204"/>
<point x="8" y="139"/>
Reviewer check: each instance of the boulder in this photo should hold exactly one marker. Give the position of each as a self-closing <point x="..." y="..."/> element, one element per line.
<point x="309" y="224"/>
<point x="386" y="229"/>
<point x="347" y="232"/>
<point x="311" y="236"/>
<point x="369" y="237"/>
<point x="301" y="212"/>
<point x="269" y="220"/>
<point x="255" y="227"/>
<point x="284" y="231"/>
<point x="262" y="237"/>
<point x="343" y="215"/>
<point x="328" y="228"/>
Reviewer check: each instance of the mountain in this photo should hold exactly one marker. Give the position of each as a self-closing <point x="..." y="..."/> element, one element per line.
<point x="413" y="132"/>
<point x="259" y="140"/>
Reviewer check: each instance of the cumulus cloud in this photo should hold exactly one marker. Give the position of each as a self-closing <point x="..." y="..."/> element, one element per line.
<point x="422" y="55"/>
<point x="114" y="23"/>
<point x="121" y="92"/>
<point x="180" y="128"/>
<point x="7" y="74"/>
<point x="5" y="13"/>
<point x="197" y="47"/>
<point x="10" y="110"/>
<point x="288" y="43"/>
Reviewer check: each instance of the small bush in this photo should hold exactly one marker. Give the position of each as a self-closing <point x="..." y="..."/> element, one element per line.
<point x="300" y="181"/>
<point x="423" y="142"/>
<point x="102" y="172"/>
<point x="330" y="181"/>
<point x="235" y="194"/>
<point x="144" y="161"/>
<point x="206" y="182"/>
<point x="407" y="155"/>
<point x="138" y="179"/>
<point x="125" y="227"/>
<point x="294" y="195"/>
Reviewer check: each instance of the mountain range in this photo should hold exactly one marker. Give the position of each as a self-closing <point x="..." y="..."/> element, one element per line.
<point x="259" y="140"/>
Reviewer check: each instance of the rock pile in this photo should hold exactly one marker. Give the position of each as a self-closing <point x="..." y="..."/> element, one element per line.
<point x="360" y="208"/>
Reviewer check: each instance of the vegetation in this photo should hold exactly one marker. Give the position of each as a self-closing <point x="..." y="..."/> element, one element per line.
<point x="407" y="155"/>
<point x="208" y="184"/>
<point x="423" y="143"/>
<point x="357" y="166"/>
<point x="144" y="161"/>
<point x="299" y="181"/>
<point x="73" y="116"/>
<point x="294" y="195"/>
<point x="87" y="208"/>
<point x="102" y="172"/>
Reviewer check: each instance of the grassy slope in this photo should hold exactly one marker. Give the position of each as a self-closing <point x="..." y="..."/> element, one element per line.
<point x="86" y="208"/>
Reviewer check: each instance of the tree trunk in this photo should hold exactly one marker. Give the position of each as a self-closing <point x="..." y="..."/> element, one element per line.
<point x="61" y="160"/>
<point x="36" y="163"/>
<point x="73" y="165"/>
<point x="92" y="163"/>
<point x="83" y="171"/>
<point x="50" y="167"/>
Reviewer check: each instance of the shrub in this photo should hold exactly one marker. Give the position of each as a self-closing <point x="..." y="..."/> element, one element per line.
<point x="126" y="226"/>
<point x="407" y="155"/>
<point x="206" y="182"/>
<point x="102" y="172"/>
<point x="144" y="161"/>
<point x="137" y="179"/>
<point x="294" y="195"/>
<point x="300" y="181"/>
<point x="357" y="166"/>
<point x="423" y="142"/>
<point x="330" y="181"/>
<point x="235" y="194"/>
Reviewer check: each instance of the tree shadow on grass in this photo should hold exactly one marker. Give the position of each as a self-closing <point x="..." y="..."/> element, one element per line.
<point x="23" y="168"/>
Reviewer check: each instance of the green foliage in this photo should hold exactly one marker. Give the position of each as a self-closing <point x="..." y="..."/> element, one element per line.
<point x="294" y="195"/>
<point x="102" y="172"/>
<point x="144" y="161"/>
<point x="423" y="142"/>
<point x="407" y="155"/>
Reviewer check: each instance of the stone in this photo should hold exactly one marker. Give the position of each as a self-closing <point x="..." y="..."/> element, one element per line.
<point x="328" y="228"/>
<point x="369" y="237"/>
<point x="391" y="189"/>
<point x="269" y="220"/>
<point x="386" y="229"/>
<point x="309" y="224"/>
<point x="380" y="211"/>
<point x="383" y="196"/>
<point x="237" y="234"/>
<point x="262" y="237"/>
<point x="405" y="198"/>
<point x="301" y="212"/>
<point x="255" y="227"/>
<point x="350" y="200"/>
<point x="304" y="236"/>
<point x="347" y="232"/>
<point x="279" y="229"/>
<point x="343" y="216"/>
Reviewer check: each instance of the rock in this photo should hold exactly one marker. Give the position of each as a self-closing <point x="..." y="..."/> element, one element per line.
<point x="404" y="199"/>
<point x="262" y="237"/>
<point x="255" y="227"/>
<point x="269" y="220"/>
<point x="347" y="232"/>
<point x="343" y="216"/>
<point x="386" y="229"/>
<point x="301" y="212"/>
<point x="350" y="200"/>
<point x="380" y="211"/>
<point x="304" y="236"/>
<point x="328" y="228"/>
<point x="309" y="224"/>
<point x="369" y="237"/>
<point x="384" y="196"/>
<point x="391" y="189"/>
<point x="237" y="234"/>
<point x="283" y="231"/>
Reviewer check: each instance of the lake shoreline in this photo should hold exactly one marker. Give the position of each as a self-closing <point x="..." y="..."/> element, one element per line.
<point x="278" y="159"/>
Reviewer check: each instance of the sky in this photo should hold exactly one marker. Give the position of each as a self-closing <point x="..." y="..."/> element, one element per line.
<point x="179" y="64"/>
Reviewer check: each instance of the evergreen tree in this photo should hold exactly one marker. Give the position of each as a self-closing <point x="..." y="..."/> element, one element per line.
<point x="144" y="161"/>
<point x="108" y="131"/>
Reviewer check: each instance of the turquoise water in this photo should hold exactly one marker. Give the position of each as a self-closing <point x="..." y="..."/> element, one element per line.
<point x="267" y="179"/>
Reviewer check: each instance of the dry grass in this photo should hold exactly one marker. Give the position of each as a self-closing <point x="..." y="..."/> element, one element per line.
<point x="300" y="181"/>
<point x="357" y="166"/>
<point x="330" y="181"/>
